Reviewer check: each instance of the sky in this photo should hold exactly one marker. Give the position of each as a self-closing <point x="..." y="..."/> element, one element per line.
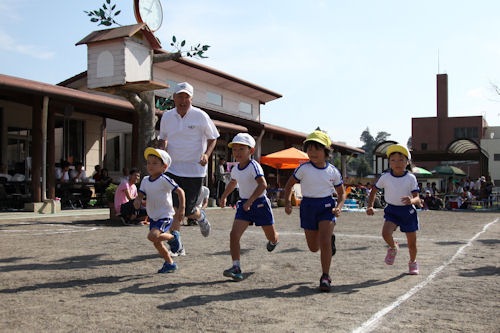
<point x="341" y="65"/>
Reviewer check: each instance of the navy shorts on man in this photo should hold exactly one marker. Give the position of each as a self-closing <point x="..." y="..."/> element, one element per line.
<point x="314" y="210"/>
<point x="260" y="212"/>
<point x="405" y="217"/>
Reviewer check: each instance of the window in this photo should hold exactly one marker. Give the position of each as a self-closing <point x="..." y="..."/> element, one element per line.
<point x="214" y="98"/>
<point x="172" y="85"/>
<point x="69" y="137"/>
<point x="466" y="133"/>
<point x="18" y="148"/>
<point x="424" y="146"/>
<point x="245" y="107"/>
<point x="496" y="157"/>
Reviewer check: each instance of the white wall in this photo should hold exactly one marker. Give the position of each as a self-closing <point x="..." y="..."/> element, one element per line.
<point x="492" y="147"/>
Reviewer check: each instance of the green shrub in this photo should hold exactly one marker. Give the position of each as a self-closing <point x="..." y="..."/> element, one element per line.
<point x="110" y="192"/>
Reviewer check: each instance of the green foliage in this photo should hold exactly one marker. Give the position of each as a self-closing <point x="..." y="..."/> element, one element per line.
<point x="197" y="51"/>
<point x="164" y="104"/>
<point x="370" y="142"/>
<point x="109" y="193"/>
<point x="105" y="15"/>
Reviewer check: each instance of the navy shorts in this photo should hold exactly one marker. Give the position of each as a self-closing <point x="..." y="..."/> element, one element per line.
<point x="314" y="210"/>
<point x="162" y="224"/>
<point x="260" y="212"/>
<point x="405" y="217"/>
<point x="191" y="187"/>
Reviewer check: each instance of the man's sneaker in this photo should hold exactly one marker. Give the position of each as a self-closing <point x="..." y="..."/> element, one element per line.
<point x="413" y="268"/>
<point x="175" y="244"/>
<point x="270" y="246"/>
<point x="325" y="283"/>
<point x="168" y="268"/>
<point x="391" y="254"/>
<point x="204" y="224"/>
<point x="234" y="272"/>
<point x="334" y="248"/>
<point x="191" y="222"/>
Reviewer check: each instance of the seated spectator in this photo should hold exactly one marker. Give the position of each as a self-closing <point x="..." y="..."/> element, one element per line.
<point x="3" y="172"/>
<point x="78" y="176"/>
<point x="465" y="200"/>
<point x="125" y="194"/>
<point x="96" y="175"/>
<point x="201" y="203"/>
<point x="428" y="187"/>
<point x="431" y="202"/>
<point x="434" y="189"/>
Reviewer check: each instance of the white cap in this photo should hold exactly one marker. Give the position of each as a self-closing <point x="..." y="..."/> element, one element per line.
<point x="184" y="87"/>
<point x="163" y="155"/>
<point x="243" y="139"/>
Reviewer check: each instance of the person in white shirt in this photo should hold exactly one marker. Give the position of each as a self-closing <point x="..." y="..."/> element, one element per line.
<point x="189" y="136"/>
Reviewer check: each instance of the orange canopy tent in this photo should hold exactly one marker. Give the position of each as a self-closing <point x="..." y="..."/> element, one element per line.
<point x="285" y="159"/>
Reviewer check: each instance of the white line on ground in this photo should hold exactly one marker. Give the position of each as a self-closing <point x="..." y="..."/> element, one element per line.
<point x="373" y="322"/>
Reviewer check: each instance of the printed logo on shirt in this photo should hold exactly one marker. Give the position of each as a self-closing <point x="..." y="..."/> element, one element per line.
<point x="328" y="205"/>
<point x="260" y="205"/>
<point x="191" y="126"/>
<point x="412" y="211"/>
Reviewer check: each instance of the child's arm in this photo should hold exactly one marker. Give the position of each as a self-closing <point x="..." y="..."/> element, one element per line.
<point x="261" y="186"/>
<point x="179" y="215"/>
<point x="138" y="200"/>
<point x="288" y="194"/>
<point x="415" y="200"/>
<point x="340" y="199"/>
<point x="229" y="188"/>
<point x="371" y="200"/>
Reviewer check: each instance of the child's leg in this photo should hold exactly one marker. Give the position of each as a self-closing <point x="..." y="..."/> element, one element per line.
<point x="387" y="231"/>
<point x="239" y="227"/>
<point x="412" y="245"/>
<point x="271" y="233"/>
<point x="325" y="244"/>
<point x="312" y="239"/>
<point x="157" y="238"/>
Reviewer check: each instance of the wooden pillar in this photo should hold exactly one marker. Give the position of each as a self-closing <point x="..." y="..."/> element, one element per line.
<point x="343" y="166"/>
<point x="36" y="146"/>
<point x="135" y="143"/>
<point x="51" y="156"/>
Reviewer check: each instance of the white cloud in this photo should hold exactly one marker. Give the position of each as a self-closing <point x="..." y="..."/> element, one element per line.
<point x="9" y="44"/>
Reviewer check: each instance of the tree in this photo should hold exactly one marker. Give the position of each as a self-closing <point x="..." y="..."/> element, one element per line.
<point x="144" y="102"/>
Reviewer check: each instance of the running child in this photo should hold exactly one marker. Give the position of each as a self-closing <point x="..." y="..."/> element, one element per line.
<point x="158" y="188"/>
<point x="254" y="206"/>
<point x="401" y="193"/>
<point x="318" y="209"/>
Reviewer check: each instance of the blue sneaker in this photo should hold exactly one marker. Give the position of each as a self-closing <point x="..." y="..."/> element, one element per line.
<point x="168" y="268"/>
<point x="234" y="272"/>
<point x="204" y="224"/>
<point x="175" y="244"/>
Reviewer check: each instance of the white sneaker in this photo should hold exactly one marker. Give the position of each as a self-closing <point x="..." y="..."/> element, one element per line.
<point x="204" y="224"/>
<point x="181" y="252"/>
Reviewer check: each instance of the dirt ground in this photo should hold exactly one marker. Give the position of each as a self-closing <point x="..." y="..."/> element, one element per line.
<point x="68" y="275"/>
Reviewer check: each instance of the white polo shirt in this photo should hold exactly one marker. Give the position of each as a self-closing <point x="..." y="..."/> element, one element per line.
<point x="158" y="196"/>
<point x="187" y="140"/>
<point x="396" y="187"/>
<point x="246" y="178"/>
<point x="317" y="182"/>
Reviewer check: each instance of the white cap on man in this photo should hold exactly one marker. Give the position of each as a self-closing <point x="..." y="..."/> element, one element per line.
<point x="184" y="87"/>
<point x="243" y="139"/>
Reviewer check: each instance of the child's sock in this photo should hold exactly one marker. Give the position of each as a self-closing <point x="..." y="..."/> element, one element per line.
<point x="236" y="263"/>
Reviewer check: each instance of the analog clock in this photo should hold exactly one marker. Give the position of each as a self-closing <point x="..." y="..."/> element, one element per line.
<point x="149" y="12"/>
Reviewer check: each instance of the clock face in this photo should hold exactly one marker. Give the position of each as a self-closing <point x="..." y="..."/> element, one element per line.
<point x="149" y="12"/>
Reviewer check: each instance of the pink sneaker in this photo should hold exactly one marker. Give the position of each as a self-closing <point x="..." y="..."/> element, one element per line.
<point x="413" y="267"/>
<point x="391" y="254"/>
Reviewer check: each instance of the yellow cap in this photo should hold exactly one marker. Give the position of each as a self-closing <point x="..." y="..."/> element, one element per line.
<point x="398" y="149"/>
<point x="163" y="155"/>
<point x="320" y="137"/>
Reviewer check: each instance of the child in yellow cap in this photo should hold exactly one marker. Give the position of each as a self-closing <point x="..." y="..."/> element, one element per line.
<point x="318" y="209"/>
<point x="401" y="193"/>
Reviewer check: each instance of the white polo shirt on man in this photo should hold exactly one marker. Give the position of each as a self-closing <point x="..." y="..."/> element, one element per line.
<point x="187" y="140"/>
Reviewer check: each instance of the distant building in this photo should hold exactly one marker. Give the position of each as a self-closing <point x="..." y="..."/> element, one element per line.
<point x="444" y="140"/>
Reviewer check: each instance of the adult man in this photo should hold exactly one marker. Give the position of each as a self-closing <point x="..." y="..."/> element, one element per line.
<point x="201" y="203"/>
<point x="189" y="135"/>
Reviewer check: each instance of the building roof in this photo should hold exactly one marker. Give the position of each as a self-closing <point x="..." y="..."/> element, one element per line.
<point x="184" y="66"/>
<point x="122" y="32"/>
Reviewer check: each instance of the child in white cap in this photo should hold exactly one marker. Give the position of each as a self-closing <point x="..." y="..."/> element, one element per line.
<point x="158" y="188"/>
<point x="318" y="209"/>
<point x="254" y="206"/>
<point x="401" y="193"/>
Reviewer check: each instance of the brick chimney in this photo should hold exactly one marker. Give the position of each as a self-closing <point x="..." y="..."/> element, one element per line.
<point x="442" y="96"/>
